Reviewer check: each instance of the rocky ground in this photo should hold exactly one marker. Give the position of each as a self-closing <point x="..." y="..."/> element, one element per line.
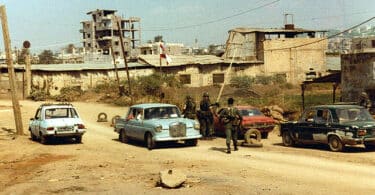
<point x="102" y="164"/>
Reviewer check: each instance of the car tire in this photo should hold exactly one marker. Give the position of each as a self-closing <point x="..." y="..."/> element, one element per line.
<point x="287" y="139"/>
<point x="43" y="139"/>
<point x="247" y="136"/>
<point x="150" y="143"/>
<point x="335" y="144"/>
<point x="191" y="142"/>
<point x="264" y="135"/>
<point x="33" y="137"/>
<point x="123" y="137"/>
<point x="78" y="139"/>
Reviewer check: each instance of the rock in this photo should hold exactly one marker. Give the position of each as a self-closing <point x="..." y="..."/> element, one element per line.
<point x="172" y="178"/>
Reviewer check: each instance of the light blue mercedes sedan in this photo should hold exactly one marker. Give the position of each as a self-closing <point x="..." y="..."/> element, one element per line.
<point x="154" y="122"/>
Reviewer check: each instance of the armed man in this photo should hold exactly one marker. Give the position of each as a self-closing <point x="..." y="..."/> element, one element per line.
<point x="189" y="110"/>
<point x="205" y="116"/>
<point x="232" y="120"/>
<point x="364" y="100"/>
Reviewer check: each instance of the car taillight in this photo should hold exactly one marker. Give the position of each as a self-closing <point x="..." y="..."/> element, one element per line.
<point x="50" y="128"/>
<point x="81" y="126"/>
<point x="362" y="132"/>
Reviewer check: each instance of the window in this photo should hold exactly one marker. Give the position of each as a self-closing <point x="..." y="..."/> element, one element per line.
<point x="185" y="78"/>
<point x="308" y="116"/>
<point x="88" y="44"/>
<point x="373" y="43"/>
<point x="218" y="78"/>
<point x="116" y="42"/>
<point x="88" y="35"/>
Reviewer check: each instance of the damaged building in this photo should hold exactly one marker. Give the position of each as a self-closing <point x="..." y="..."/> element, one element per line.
<point x="294" y="53"/>
<point x="358" y="70"/>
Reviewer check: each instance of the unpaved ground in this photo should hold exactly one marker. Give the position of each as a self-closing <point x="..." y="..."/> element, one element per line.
<point x="103" y="165"/>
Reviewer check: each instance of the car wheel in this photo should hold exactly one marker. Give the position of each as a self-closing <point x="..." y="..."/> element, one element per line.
<point x="370" y="146"/>
<point x="78" y="139"/>
<point x="43" y="139"/>
<point x="191" y="142"/>
<point x="335" y="144"/>
<point x="252" y="132"/>
<point x="123" y="138"/>
<point x="33" y="137"/>
<point x="149" y="141"/>
<point x="264" y="135"/>
<point x="287" y="139"/>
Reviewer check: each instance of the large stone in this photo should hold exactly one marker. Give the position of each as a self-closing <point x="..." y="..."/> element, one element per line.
<point x="172" y="178"/>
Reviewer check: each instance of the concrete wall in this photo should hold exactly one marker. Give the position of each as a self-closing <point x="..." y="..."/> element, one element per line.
<point x="86" y="79"/>
<point x="295" y="62"/>
<point x="357" y="75"/>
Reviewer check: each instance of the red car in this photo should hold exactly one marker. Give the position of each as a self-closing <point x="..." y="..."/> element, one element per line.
<point x="252" y="118"/>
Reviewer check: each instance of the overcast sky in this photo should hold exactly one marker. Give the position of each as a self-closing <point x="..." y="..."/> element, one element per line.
<point x="53" y="24"/>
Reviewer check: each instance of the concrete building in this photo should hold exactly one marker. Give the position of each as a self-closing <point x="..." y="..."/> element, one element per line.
<point x="102" y="32"/>
<point x="363" y="44"/>
<point x="154" y="48"/>
<point x="292" y="52"/>
<point x="357" y="75"/>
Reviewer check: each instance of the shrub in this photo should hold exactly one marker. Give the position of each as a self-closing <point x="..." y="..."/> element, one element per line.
<point x="38" y="95"/>
<point x="242" y="81"/>
<point x="264" y="80"/>
<point x="68" y="94"/>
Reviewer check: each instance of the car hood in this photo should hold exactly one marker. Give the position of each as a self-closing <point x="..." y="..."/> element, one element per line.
<point x="360" y="124"/>
<point x="166" y="122"/>
<point x="62" y="122"/>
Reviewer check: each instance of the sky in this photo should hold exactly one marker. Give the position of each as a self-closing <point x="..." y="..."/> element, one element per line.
<point x="53" y="24"/>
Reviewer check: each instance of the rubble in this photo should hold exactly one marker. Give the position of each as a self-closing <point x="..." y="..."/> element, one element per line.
<point x="172" y="178"/>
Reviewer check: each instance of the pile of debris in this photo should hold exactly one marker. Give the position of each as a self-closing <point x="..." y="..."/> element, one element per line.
<point x="275" y="112"/>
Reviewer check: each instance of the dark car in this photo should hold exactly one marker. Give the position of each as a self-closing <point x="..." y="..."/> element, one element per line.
<point x="252" y="118"/>
<point x="335" y="125"/>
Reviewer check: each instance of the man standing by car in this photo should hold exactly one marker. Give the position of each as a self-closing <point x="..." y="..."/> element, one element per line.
<point x="189" y="109"/>
<point x="232" y="120"/>
<point x="364" y="100"/>
<point x="206" y="117"/>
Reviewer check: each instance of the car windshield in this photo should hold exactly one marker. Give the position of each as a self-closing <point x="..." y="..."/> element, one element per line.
<point x="250" y="112"/>
<point x="353" y="114"/>
<point x="162" y="112"/>
<point x="52" y="113"/>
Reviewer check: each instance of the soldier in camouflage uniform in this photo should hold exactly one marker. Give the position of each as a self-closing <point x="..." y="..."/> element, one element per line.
<point x="364" y="100"/>
<point x="205" y="116"/>
<point x="232" y="120"/>
<point x="189" y="108"/>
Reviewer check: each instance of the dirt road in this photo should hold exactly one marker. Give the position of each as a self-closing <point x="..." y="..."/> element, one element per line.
<point x="101" y="164"/>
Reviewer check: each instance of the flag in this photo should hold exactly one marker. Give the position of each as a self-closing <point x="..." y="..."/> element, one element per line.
<point x="163" y="54"/>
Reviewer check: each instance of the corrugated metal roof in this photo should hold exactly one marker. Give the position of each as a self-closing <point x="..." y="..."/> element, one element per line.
<point x="76" y="67"/>
<point x="180" y="60"/>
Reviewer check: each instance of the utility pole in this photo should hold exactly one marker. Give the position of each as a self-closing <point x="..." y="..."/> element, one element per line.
<point x="26" y="45"/>
<point x="12" y="79"/>
<point x="125" y="61"/>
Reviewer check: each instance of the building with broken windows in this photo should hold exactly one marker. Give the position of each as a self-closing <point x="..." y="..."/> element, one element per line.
<point x="103" y="32"/>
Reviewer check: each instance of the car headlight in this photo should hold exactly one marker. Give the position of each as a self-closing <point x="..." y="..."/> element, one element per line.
<point x="158" y="128"/>
<point x="197" y="125"/>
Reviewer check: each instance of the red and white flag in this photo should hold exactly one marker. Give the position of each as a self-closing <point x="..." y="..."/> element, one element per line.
<point x="163" y="54"/>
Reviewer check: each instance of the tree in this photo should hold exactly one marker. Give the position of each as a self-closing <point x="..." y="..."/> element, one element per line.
<point x="46" y="57"/>
<point x="70" y="48"/>
<point x="158" y="38"/>
<point x="22" y="56"/>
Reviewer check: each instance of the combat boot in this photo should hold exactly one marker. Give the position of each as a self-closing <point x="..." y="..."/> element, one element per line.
<point x="228" y="148"/>
<point x="235" y="147"/>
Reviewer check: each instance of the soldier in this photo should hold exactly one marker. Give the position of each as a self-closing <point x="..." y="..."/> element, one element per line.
<point x="206" y="117"/>
<point x="364" y="100"/>
<point x="232" y="120"/>
<point x="189" y="108"/>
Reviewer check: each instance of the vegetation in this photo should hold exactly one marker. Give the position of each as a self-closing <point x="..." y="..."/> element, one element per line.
<point x="68" y="94"/>
<point x="46" y="57"/>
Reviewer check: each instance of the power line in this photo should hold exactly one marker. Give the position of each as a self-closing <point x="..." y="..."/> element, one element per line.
<point x="216" y="20"/>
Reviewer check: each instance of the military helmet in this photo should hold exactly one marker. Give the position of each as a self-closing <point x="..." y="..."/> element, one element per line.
<point x="188" y="97"/>
<point x="364" y="95"/>
<point x="205" y="94"/>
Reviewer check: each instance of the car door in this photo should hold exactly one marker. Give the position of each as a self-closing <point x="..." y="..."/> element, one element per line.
<point x="306" y="126"/>
<point x="323" y="125"/>
<point x="134" y="123"/>
<point x="35" y="123"/>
